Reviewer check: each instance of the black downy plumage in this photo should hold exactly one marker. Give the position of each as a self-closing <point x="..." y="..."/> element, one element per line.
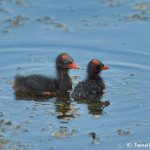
<point x="92" y="87"/>
<point x="41" y="86"/>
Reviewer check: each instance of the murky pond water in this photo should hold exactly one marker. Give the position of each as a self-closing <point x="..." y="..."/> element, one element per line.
<point x="33" y="33"/>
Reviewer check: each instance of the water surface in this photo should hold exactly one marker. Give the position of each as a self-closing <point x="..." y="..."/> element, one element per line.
<point x="33" y="33"/>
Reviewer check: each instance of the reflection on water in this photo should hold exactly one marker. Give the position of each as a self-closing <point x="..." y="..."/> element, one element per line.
<point x="63" y="104"/>
<point x="66" y="110"/>
<point x="95" y="106"/>
<point x="64" y="107"/>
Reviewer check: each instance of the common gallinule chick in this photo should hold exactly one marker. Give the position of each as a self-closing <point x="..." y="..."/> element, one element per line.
<point x="40" y="85"/>
<point x="93" y="86"/>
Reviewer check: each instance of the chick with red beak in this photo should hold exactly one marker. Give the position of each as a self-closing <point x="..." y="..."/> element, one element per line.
<point x="34" y="86"/>
<point x="92" y="87"/>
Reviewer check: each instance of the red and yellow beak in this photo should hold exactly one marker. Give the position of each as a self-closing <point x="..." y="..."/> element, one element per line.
<point x="105" y="68"/>
<point x="73" y="66"/>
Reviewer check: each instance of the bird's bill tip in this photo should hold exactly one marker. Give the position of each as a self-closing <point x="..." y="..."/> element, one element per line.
<point x="105" y="68"/>
<point x="73" y="66"/>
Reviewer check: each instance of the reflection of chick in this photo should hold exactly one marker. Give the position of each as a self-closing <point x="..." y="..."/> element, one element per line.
<point x="64" y="108"/>
<point x="95" y="107"/>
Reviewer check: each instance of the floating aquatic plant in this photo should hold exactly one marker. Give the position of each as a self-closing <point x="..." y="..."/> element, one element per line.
<point x="141" y="6"/>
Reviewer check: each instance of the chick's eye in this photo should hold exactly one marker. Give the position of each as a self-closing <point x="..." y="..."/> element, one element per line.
<point x="65" y="61"/>
<point x="98" y="67"/>
<point x="70" y="62"/>
<point x="101" y="66"/>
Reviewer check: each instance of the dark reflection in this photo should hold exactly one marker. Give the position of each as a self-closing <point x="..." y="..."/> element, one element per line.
<point x="64" y="108"/>
<point x="63" y="104"/>
<point x="24" y="96"/>
<point x="95" y="106"/>
<point x="29" y="96"/>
